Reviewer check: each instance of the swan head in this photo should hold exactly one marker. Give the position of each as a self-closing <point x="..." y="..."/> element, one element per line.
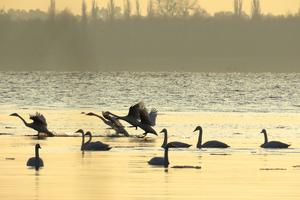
<point x="14" y="114"/>
<point x="90" y="114"/>
<point x="80" y="131"/>
<point x="198" y="128"/>
<point x="37" y="146"/>
<point x="88" y="133"/>
<point x="105" y="115"/>
<point x="263" y="131"/>
<point x="164" y="131"/>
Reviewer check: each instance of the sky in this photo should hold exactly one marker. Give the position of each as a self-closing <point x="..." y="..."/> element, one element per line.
<point x="268" y="6"/>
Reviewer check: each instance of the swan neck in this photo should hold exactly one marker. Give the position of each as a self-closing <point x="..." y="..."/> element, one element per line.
<point x="82" y="141"/>
<point x="37" y="159"/>
<point x="90" y="138"/>
<point x="165" y="139"/>
<point x="23" y="120"/>
<point x="166" y="157"/>
<point x="266" y="137"/>
<point x="99" y="117"/>
<point x="199" y="139"/>
<point x="37" y="153"/>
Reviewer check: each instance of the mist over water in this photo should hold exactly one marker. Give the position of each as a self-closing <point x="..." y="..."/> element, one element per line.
<point x="174" y="35"/>
<point x="167" y="91"/>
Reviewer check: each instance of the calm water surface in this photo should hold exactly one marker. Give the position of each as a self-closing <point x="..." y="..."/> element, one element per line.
<point x="230" y="107"/>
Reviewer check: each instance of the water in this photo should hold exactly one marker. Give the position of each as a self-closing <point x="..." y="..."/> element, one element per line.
<point x="179" y="92"/>
<point x="232" y="108"/>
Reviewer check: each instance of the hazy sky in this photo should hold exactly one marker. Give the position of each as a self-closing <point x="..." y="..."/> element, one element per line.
<point x="268" y="6"/>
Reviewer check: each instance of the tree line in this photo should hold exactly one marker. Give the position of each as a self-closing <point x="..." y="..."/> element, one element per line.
<point x="171" y="35"/>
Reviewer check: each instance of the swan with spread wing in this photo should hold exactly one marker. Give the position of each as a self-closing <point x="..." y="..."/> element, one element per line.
<point x="112" y="122"/>
<point x="39" y="123"/>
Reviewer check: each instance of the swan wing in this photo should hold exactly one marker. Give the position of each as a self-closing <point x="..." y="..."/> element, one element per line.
<point x="153" y="116"/>
<point x="214" y="144"/>
<point x="111" y="121"/>
<point x="156" y="161"/>
<point x="117" y="123"/>
<point x="120" y="128"/>
<point x="39" y="119"/>
<point x="179" y="145"/>
<point x="134" y="111"/>
<point x="275" y="145"/>
<point x="96" y="146"/>
<point x="144" y="115"/>
<point x="31" y="162"/>
<point x="100" y="144"/>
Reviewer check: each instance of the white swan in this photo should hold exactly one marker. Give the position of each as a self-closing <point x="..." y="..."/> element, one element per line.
<point x="36" y="161"/>
<point x="208" y="144"/>
<point x="272" y="144"/>
<point x="177" y="144"/>
<point x="92" y="146"/>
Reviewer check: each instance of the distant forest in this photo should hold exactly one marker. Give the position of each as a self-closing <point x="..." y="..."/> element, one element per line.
<point x="173" y="35"/>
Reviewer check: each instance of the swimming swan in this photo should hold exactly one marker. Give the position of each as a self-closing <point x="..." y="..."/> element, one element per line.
<point x="36" y="161"/>
<point x="164" y="161"/>
<point x="92" y="146"/>
<point x="272" y="144"/>
<point x="208" y="144"/>
<point x="178" y="144"/>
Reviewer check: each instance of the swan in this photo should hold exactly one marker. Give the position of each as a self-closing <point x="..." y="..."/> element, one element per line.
<point x="164" y="161"/>
<point x="178" y="144"/>
<point x="92" y="146"/>
<point x="272" y="144"/>
<point x="209" y="144"/>
<point x="112" y="122"/>
<point x="36" y="161"/>
<point x="145" y="122"/>
<point x="132" y="117"/>
<point x="39" y="123"/>
<point x="138" y="116"/>
<point x="149" y="117"/>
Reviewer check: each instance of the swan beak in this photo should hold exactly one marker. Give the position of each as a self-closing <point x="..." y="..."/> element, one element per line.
<point x="79" y="131"/>
<point x="195" y="130"/>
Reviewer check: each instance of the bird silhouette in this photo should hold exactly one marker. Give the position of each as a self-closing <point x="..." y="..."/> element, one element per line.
<point x="36" y="161"/>
<point x="272" y="144"/>
<point x="39" y="123"/>
<point x="177" y="144"/>
<point x="208" y="144"/>
<point x="92" y="146"/>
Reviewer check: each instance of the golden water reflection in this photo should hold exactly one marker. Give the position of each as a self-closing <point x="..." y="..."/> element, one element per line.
<point x="244" y="171"/>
